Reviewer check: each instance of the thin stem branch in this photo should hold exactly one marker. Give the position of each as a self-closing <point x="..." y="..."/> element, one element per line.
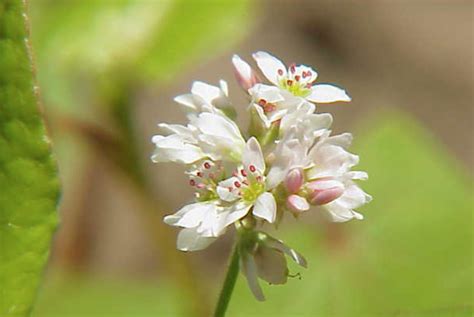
<point x="229" y="283"/>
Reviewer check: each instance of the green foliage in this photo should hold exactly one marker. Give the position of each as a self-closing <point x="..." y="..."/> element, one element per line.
<point x="411" y="256"/>
<point x="90" y="45"/>
<point x="28" y="182"/>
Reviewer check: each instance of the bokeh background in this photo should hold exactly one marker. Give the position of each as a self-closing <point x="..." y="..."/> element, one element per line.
<point x="108" y="71"/>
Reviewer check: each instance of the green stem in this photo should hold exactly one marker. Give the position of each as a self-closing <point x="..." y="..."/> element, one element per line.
<point x="229" y="283"/>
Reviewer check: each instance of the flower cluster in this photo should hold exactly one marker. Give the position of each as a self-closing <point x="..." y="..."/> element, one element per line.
<point x="288" y="162"/>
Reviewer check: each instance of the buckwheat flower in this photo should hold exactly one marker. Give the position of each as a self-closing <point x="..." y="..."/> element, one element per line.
<point x="245" y="75"/>
<point x="263" y="256"/>
<point x="206" y="98"/>
<point x="298" y="132"/>
<point x="328" y="181"/>
<point x="299" y="80"/>
<point x="246" y="189"/>
<point x="269" y="103"/>
<point x="208" y="135"/>
<point x="202" y="221"/>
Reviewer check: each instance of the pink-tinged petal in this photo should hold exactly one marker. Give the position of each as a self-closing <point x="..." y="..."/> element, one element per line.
<point x="324" y="191"/>
<point x="270" y="66"/>
<point x="297" y="203"/>
<point x="294" y="180"/>
<point x="246" y="76"/>
<point x="322" y="197"/>
<point x="265" y="207"/>
<point x="326" y="93"/>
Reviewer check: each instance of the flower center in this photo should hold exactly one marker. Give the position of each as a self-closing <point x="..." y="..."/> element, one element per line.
<point x="204" y="178"/>
<point x="248" y="185"/>
<point x="298" y="80"/>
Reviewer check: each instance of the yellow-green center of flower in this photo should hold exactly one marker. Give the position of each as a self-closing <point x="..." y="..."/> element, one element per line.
<point x="252" y="191"/>
<point x="295" y="87"/>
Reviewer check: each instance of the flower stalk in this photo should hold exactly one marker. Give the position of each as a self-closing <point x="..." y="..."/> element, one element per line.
<point x="229" y="283"/>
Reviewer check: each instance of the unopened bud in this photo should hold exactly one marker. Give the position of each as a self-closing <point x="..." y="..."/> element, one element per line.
<point x="246" y="76"/>
<point x="294" y="180"/>
<point x="322" y="192"/>
<point x="297" y="203"/>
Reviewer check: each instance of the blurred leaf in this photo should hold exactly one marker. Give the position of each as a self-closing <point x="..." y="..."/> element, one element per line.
<point x="28" y="181"/>
<point x="83" y="44"/>
<point x="412" y="254"/>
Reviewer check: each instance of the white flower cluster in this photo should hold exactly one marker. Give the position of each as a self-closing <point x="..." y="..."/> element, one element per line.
<point x="288" y="162"/>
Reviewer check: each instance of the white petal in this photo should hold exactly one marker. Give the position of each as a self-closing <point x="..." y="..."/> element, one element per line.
<point x="174" y="148"/>
<point x="339" y="213"/>
<point x="190" y="215"/>
<point x="265" y="207"/>
<point x="332" y="161"/>
<point x="353" y="197"/>
<point x="325" y="93"/>
<point x="270" y="94"/>
<point x="358" y="175"/>
<point x="224" y="87"/>
<point x="224" y="192"/>
<point x="190" y="240"/>
<point x="343" y="140"/>
<point x="219" y="126"/>
<point x="261" y="114"/>
<point x="188" y="101"/>
<point x="252" y="155"/>
<point x="185" y="132"/>
<point x="206" y="91"/>
<point x="269" y="65"/>
<point x="231" y="214"/>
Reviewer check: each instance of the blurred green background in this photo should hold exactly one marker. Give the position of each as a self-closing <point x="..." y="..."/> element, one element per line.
<point x="108" y="71"/>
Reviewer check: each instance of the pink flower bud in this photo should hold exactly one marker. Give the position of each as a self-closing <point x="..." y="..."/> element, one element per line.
<point x="246" y="76"/>
<point x="324" y="191"/>
<point x="297" y="203"/>
<point x="294" y="180"/>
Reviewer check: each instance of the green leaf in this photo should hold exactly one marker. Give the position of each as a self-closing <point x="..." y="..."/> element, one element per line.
<point x="411" y="256"/>
<point x="28" y="182"/>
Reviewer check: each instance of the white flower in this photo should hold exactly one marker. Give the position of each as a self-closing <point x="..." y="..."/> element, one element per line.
<point x="198" y="221"/>
<point x="247" y="188"/>
<point x="205" y="98"/>
<point x="298" y="132"/>
<point x="270" y="103"/>
<point x="206" y="219"/>
<point x="208" y="135"/>
<point x="298" y="80"/>
<point x="329" y="181"/>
